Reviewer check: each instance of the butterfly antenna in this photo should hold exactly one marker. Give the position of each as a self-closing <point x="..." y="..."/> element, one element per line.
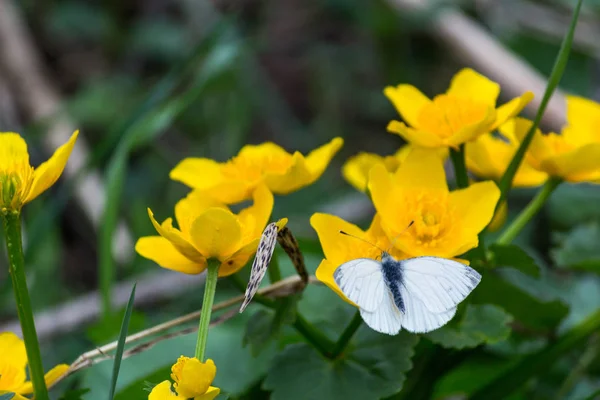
<point x="362" y="240"/>
<point x="398" y="235"/>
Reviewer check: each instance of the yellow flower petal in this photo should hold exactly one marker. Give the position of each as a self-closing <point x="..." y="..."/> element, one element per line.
<point x="324" y="274"/>
<point x="468" y="83"/>
<point x="50" y="377"/>
<point x="239" y="259"/>
<point x="336" y="249"/>
<point x="48" y="173"/>
<point x="210" y="394"/>
<point x="473" y="209"/>
<point x="499" y="218"/>
<point x="162" y="252"/>
<point x="192" y="205"/>
<point x="193" y="377"/>
<point x="472" y="131"/>
<point x="318" y="159"/>
<point x="216" y="233"/>
<point x="176" y="238"/>
<point x="579" y="165"/>
<point x="414" y="136"/>
<point x="253" y="219"/>
<point x="511" y="109"/>
<point x="163" y="391"/>
<point x="13" y="150"/>
<point x="12" y="376"/>
<point x="583" y="117"/>
<point x="356" y="169"/>
<point x="12" y="348"/>
<point x="197" y="173"/>
<point x="422" y="168"/>
<point x="408" y="101"/>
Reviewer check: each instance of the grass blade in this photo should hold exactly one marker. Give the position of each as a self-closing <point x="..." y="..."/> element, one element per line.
<point x="121" y="344"/>
<point x="557" y="72"/>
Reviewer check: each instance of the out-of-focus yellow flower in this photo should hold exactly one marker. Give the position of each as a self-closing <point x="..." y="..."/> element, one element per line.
<point x="192" y="378"/>
<point x="19" y="181"/>
<point x="208" y="229"/>
<point x="13" y="363"/>
<point x="574" y="155"/>
<point x="235" y="180"/>
<point x="465" y="111"/>
<point x="488" y="157"/>
<point x="356" y="168"/>
<point x="445" y="224"/>
<point x="339" y="248"/>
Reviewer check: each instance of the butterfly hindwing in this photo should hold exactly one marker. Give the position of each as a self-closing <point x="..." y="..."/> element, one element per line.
<point x="361" y="280"/>
<point x="261" y="262"/>
<point x="387" y="318"/>
<point x="440" y="284"/>
<point x="418" y="319"/>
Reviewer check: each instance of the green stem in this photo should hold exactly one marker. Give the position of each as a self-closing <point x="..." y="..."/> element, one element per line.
<point x="210" y="287"/>
<point x="532" y="208"/>
<point x="11" y="221"/>
<point x="273" y="270"/>
<point x="313" y="335"/>
<point x="347" y="335"/>
<point x="460" y="169"/>
<point x="537" y="363"/>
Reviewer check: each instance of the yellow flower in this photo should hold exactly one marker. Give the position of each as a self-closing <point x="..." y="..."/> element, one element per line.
<point x="499" y="218"/>
<point x="574" y="155"/>
<point x="465" y="111"/>
<point x="445" y="224"/>
<point x="339" y="248"/>
<point x="488" y="157"/>
<point x="13" y="362"/>
<point x="356" y="168"/>
<point x="19" y="181"/>
<point x="192" y="378"/>
<point x="208" y="229"/>
<point x="235" y="180"/>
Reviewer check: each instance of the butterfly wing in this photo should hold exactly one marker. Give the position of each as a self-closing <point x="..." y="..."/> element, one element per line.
<point x="438" y="283"/>
<point x="387" y="318"/>
<point x="418" y="319"/>
<point x="361" y="280"/>
<point x="266" y="246"/>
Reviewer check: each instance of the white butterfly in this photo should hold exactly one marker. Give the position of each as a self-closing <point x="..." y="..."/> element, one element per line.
<point x="418" y="294"/>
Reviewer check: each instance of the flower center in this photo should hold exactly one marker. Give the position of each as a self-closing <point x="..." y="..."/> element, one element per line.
<point x="558" y="144"/>
<point x="447" y="114"/>
<point x="254" y="167"/>
<point x="430" y="216"/>
<point x="15" y="184"/>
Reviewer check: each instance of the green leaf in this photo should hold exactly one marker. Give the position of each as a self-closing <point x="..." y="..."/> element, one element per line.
<point x="7" y="396"/>
<point x="530" y="311"/>
<point x="374" y="368"/>
<point x="579" y="249"/>
<point x="76" y="394"/>
<point x="513" y="256"/>
<point x="121" y="344"/>
<point x="480" y="324"/>
<point x="265" y="325"/>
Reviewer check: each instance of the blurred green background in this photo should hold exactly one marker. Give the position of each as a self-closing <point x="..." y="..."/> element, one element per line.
<point x="151" y="82"/>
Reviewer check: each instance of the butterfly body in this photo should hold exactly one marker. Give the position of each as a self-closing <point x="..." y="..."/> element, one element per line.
<point x="418" y="294"/>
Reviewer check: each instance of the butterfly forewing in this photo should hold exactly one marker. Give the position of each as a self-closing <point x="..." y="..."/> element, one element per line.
<point x="361" y="280"/>
<point x="261" y="262"/>
<point x="440" y="284"/>
<point x="418" y="319"/>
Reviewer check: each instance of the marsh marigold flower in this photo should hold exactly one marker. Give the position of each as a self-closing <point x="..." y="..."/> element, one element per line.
<point x="235" y="180"/>
<point x="208" y="229"/>
<point x="574" y="154"/>
<point x="465" y="111"/>
<point x="193" y="380"/>
<point x="13" y="363"/>
<point x="489" y="155"/>
<point x="445" y="224"/>
<point x="19" y="181"/>
<point x="339" y="248"/>
<point x="356" y="169"/>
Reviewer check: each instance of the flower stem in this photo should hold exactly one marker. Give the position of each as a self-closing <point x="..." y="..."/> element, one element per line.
<point x="460" y="169"/>
<point x="210" y="287"/>
<point x="347" y="335"/>
<point x="532" y="208"/>
<point x="11" y="220"/>
<point x="313" y="335"/>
